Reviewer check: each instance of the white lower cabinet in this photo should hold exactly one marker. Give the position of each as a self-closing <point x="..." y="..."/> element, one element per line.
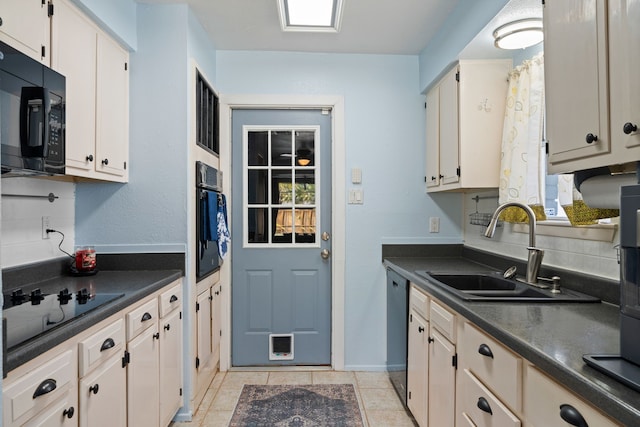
<point x="548" y="404"/>
<point x="481" y="406"/>
<point x="171" y="359"/>
<point x="103" y="395"/>
<point x="143" y="403"/>
<point x="442" y="380"/>
<point x="62" y="413"/>
<point x="417" y="367"/>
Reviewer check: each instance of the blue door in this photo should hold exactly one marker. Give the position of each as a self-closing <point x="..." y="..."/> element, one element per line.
<point x="281" y="237"/>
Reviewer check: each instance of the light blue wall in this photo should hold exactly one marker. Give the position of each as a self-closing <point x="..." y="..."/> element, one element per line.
<point x="384" y="136"/>
<point x="118" y="17"/>
<point x="462" y="25"/>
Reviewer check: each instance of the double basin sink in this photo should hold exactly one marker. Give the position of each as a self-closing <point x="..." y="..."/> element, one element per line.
<point x="493" y="286"/>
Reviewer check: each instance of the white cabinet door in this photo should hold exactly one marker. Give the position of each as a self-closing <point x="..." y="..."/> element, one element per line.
<point x="449" y="132"/>
<point x="216" y="322"/>
<point x="624" y="37"/>
<point x="576" y="90"/>
<point x="433" y="138"/>
<point x="170" y="366"/>
<point x="143" y="398"/>
<point x="112" y="120"/>
<point x="62" y="413"/>
<point x="103" y="395"/>
<point x="204" y="335"/>
<point x="74" y="39"/>
<point x="25" y="26"/>
<point x="442" y="381"/>
<point x="418" y="368"/>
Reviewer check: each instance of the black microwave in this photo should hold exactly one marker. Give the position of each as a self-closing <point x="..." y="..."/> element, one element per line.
<point x="32" y="116"/>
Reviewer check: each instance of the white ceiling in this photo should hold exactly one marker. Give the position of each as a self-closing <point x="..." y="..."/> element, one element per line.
<point x="368" y="26"/>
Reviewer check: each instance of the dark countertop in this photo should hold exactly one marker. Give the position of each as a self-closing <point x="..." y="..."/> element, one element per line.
<point x="133" y="284"/>
<point x="551" y="336"/>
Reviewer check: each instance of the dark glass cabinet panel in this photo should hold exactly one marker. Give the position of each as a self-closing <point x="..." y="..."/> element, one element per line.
<point x="207" y="113"/>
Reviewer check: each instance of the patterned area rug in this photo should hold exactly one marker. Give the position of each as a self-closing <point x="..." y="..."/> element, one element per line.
<point x="317" y="405"/>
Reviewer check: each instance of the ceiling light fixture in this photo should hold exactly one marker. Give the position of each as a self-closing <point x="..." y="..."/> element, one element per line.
<point x="519" y="34"/>
<point x="310" y="15"/>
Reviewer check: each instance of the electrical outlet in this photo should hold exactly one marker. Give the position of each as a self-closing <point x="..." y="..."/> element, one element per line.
<point x="434" y="224"/>
<point x="46" y="224"/>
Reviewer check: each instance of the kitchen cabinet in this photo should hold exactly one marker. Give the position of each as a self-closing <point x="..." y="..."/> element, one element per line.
<point x="103" y="395"/>
<point x="143" y="380"/>
<point x="24" y="25"/>
<point x="216" y="322"/>
<point x="97" y="94"/>
<point x="592" y="110"/>
<point x="547" y="403"/>
<point x="417" y="367"/>
<point x="170" y="353"/>
<point x="442" y="366"/>
<point x="464" y="118"/>
<point x="28" y="400"/>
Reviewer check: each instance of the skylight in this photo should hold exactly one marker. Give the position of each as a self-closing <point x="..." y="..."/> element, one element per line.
<point x="310" y="15"/>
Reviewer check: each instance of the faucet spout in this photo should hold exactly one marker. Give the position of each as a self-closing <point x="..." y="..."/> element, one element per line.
<point x="534" y="259"/>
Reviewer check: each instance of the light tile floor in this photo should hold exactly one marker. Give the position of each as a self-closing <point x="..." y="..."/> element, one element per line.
<point x="378" y="399"/>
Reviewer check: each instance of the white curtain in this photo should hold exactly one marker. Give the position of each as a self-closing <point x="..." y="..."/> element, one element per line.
<point x="522" y="177"/>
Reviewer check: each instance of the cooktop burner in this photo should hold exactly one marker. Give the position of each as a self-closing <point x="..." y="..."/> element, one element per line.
<point x="29" y="316"/>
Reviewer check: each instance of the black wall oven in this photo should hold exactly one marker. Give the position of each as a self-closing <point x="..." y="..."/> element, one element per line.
<point x="208" y="198"/>
<point x="32" y="116"/>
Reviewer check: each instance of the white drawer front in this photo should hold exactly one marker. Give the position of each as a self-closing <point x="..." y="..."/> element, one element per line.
<point x="37" y="389"/>
<point x="170" y="299"/>
<point x="419" y="301"/>
<point x="141" y="318"/>
<point x="544" y="398"/>
<point x="443" y="320"/>
<point x="100" y="346"/>
<point x="493" y="364"/>
<point x="482" y="407"/>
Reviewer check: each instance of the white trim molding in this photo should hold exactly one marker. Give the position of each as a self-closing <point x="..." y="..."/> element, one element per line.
<point x="338" y="248"/>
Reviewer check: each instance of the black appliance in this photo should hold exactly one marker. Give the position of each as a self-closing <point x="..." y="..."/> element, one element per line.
<point x="32" y="116"/>
<point x="625" y="367"/>
<point x="208" y="194"/>
<point x="397" y="319"/>
<point x="28" y="315"/>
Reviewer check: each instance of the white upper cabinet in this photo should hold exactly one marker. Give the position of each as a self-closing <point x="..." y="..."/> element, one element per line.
<point x="589" y="66"/>
<point x="96" y="70"/>
<point x="465" y="116"/>
<point x="24" y="25"/>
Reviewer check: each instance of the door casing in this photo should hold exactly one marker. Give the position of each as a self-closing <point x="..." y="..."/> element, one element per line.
<point x="336" y="103"/>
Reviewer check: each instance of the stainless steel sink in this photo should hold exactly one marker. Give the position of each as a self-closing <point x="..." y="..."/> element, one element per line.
<point x="492" y="286"/>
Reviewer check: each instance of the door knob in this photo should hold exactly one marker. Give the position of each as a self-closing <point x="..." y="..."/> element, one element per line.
<point x="325" y="236"/>
<point x="325" y="253"/>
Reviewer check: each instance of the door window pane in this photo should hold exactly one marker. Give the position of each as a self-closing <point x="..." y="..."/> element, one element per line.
<point x="305" y="148"/>
<point x="257" y="225"/>
<point x="305" y="188"/>
<point x="258" y="145"/>
<point x="258" y="186"/>
<point x="305" y="225"/>
<point x="281" y="144"/>
<point x="282" y="193"/>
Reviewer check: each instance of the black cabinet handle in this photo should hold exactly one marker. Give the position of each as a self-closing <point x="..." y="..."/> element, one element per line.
<point x="68" y="412"/>
<point x="105" y="162"/>
<point x="591" y="138"/>
<point x="433" y="178"/>
<point x="94" y="389"/>
<point x="441" y="176"/>
<point x="571" y="415"/>
<point x="484" y="406"/>
<point x="45" y="387"/>
<point x="156" y="336"/>
<point x="173" y="298"/>
<point x="629" y="128"/>
<point x="107" y="344"/>
<point x="145" y="317"/>
<point x="167" y="327"/>
<point x="90" y="158"/>
<point x="430" y="340"/>
<point x="420" y="329"/>
<point x="485" y="350"/>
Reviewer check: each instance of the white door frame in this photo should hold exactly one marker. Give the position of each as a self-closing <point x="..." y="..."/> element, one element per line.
<point x="338" y="245"/>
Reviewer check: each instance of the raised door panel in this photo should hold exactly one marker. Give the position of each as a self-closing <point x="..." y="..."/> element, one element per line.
<point x="103" y="395"/>
<point x="624" y="37"/>
<point x="442" y="381"/>
<point x="576" y="90"/>
<point x="216" y="322"/>
<point x="170" y="299"/>
<point x="25" y="26"/>
<point x="100" y="346"/>
<point x="74" y="39"/>
<point x="170" y="363"/>
<point x="142" y="318"/>
<point x="143" y="395"/>
<point x="204" y="335"/>
<point x="449" y="132"/>
<point x="418" y="368"/>
<point x="112" y="120"/>
<point x="433" y="138"/>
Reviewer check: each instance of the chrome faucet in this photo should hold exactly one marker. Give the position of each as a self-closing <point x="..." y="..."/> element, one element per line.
<point x="534" y="259"/>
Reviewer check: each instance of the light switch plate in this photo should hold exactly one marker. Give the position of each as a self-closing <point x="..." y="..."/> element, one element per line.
<point x="434" y="224"/>
<point x="356" y="176"/>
